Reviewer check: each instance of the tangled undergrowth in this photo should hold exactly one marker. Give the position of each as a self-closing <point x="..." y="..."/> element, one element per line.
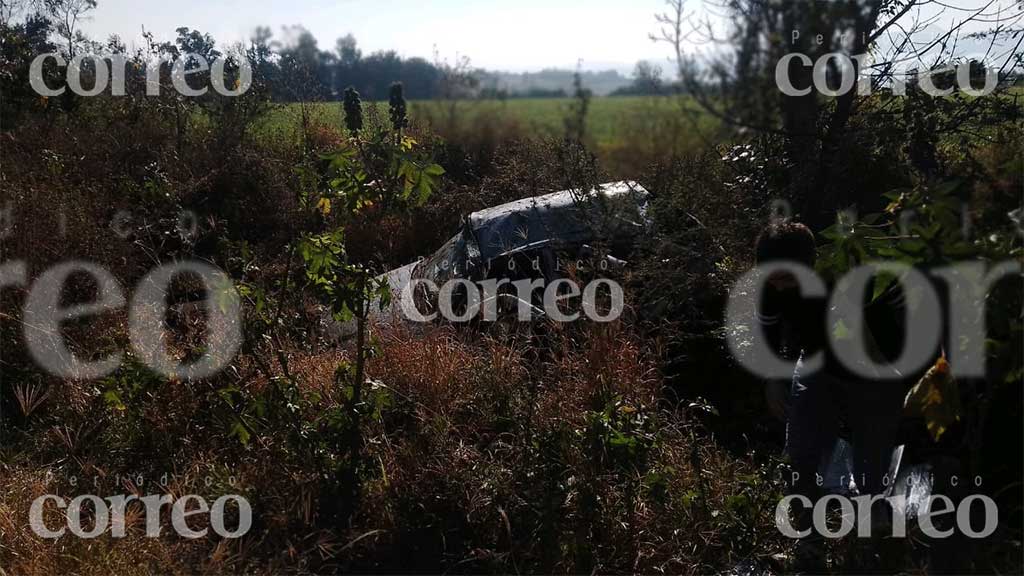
<point x="540" y="449"/>
<point x="484" y="456"/>
<point x="637" y="446"/>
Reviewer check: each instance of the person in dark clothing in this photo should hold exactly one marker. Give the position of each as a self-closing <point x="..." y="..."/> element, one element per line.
<point x="816" y="404"/>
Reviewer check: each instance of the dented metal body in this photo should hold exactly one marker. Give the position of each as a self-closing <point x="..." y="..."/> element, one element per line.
<point x="540" y="236"/>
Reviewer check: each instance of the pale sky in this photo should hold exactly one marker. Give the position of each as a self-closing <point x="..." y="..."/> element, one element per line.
<point x="511" y="35"/>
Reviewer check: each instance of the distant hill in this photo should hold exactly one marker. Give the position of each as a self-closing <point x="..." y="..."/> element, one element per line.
<point x="551" y="81"/>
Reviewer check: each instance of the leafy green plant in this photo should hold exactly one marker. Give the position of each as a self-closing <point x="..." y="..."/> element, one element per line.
<point x="379" y="170"/>
<point x="621" y="435"/>
<point x="124" y="389"/>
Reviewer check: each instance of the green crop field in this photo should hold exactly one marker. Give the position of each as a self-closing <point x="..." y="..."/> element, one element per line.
<point x="626" y="132"/>
<point x="616" y="127"/>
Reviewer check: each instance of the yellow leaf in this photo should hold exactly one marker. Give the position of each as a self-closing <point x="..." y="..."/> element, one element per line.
<point x="324" y="206"/>
<point x="935" y="398"/>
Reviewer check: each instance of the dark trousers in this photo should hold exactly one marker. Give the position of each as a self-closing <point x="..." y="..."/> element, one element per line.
<point x="819" y="403"/>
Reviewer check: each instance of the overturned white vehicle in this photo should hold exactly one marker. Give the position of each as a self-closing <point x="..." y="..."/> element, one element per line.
<point x="518" y="255"/>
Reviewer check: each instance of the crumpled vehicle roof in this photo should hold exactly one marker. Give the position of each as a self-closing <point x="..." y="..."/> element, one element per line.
<point x="567" y="218"/>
